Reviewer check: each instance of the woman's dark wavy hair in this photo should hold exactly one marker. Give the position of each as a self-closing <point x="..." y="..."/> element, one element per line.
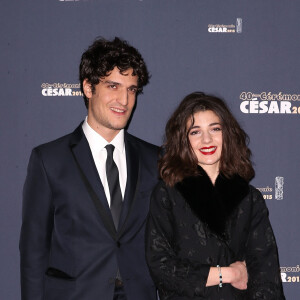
<point x="103" y="56"/>
<point x="179" y="160"/>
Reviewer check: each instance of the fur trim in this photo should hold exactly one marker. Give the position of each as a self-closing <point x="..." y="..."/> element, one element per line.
<point x="213" y="204"/>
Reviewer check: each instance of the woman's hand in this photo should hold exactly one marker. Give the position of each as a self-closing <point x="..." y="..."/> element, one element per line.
<point x="235" y="274"/>
<point x="240" y="276"/>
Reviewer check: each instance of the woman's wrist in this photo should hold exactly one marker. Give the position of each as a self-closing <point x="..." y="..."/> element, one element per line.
<point x="220" y="276"/>
<point x="228" y="274"/>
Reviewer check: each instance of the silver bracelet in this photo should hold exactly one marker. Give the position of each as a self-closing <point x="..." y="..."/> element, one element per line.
<point x="220" y="276"/>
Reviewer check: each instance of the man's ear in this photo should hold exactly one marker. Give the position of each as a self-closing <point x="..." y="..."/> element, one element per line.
<point x="87" y="88"/>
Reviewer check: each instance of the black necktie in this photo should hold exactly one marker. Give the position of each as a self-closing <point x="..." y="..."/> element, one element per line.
<point x="112" y="175"/>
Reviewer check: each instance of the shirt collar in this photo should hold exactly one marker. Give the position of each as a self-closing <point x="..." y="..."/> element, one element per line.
<point x="96" y="141"/>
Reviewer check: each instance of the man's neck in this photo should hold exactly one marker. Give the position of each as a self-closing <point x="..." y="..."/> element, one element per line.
<point x="107" y="133"/>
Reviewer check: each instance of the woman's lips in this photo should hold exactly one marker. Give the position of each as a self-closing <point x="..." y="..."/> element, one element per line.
<point x="208" y="150"/>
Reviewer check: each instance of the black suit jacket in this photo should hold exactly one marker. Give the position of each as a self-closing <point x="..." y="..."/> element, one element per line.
<point x="68" y="249"/>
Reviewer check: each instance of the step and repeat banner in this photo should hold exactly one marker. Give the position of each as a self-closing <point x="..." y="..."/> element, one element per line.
<point x="246" y="52"/>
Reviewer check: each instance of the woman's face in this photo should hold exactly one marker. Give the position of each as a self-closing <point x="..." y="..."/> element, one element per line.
<point x="205" y="137"/>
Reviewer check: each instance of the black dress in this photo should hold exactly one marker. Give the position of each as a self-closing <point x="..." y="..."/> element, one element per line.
<point x="196" y="225"/>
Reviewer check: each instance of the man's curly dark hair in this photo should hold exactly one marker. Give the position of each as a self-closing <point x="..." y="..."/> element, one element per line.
<point x="104" y="55"/>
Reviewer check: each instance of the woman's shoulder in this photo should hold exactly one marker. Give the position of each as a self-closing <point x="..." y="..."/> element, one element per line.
<point x="162" y="188"/>
<point x="254" y="194"/>
<point x="165" y="192"/>
<point x="255" y="199"/>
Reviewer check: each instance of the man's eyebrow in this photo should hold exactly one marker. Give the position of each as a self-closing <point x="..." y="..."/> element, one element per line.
<point x="111" y="82"/>
<point x="118" y="83"/>
<point x="134" y="86"/>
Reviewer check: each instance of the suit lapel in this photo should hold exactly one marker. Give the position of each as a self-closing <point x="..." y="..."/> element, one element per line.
<point x="83" y="156"/>
<point x="133" y="163"/>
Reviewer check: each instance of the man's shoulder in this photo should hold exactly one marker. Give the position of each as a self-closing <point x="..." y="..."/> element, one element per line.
<point x="141" y="143"/>
<point x="58" y="143"/>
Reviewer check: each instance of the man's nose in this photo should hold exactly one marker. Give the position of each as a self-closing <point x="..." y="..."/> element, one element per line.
<point x="123" y="97"/>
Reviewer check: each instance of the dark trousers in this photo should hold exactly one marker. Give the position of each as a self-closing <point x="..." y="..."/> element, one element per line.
<point x="119" y="293"/>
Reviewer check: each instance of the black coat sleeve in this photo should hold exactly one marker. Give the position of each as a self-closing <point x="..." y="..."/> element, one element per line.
<point x="37" y="216"/>
<point x="262" y="255"/>
<point x="171" y="274"/>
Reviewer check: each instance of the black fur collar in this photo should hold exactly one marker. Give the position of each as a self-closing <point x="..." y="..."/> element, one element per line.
<point x="213" y="204"/>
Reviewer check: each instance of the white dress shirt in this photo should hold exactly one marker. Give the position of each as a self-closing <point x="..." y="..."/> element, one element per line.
<point x="97" y="145"/>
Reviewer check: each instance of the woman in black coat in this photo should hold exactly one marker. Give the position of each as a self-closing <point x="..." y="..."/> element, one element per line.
<point x="208" y="233"/>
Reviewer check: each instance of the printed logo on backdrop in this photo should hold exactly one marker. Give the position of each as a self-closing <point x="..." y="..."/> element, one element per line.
<point x="230" y="28"/>
<point x="61" y="89"/>
<point x="275" y="192"/>
<point x="73" y="0"/>
<point x="269" y="103"/>
<point x="290" y="274"/>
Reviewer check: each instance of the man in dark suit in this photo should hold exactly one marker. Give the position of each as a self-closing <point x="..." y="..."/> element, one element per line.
<point x="86" y="195"/>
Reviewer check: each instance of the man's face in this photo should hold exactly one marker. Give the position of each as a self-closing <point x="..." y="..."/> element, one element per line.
<point x="110" y="106"/>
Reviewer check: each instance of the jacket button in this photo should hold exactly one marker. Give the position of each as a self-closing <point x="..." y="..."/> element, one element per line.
<point x="118" y="244"/>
